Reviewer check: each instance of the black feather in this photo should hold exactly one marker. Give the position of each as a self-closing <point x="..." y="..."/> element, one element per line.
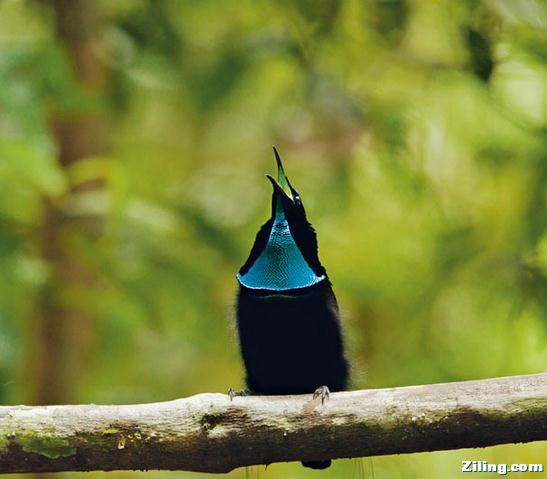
<point x="291" y="340"/>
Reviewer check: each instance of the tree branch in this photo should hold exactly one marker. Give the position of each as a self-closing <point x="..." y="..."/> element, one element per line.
<point x="210" y="433"/>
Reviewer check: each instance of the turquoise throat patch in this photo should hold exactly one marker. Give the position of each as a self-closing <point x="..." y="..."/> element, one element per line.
<point x="281" y="265"/>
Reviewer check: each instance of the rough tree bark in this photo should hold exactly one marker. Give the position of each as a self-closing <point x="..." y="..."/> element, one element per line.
<point x="210" y="433"/>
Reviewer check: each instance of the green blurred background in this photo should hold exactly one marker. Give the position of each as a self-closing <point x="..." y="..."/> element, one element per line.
<point x="134" y="139"/>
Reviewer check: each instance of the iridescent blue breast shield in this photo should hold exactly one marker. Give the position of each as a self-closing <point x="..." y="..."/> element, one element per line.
<point x="280" y="266"/>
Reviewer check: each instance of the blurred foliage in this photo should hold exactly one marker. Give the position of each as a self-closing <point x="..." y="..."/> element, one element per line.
<point x="416" y="133"/>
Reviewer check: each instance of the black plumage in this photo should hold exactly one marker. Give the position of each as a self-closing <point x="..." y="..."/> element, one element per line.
<point x="287" y="314"/>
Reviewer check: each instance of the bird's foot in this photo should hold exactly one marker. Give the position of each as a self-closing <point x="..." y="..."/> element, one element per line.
<point x="242" y="392"/>
<point x="322" y="392"/>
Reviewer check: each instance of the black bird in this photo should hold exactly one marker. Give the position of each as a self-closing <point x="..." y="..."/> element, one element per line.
<point x="287" y="315"/>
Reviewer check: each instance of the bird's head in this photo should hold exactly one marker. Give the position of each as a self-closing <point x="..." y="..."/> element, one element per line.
<point x="284" y="255"/>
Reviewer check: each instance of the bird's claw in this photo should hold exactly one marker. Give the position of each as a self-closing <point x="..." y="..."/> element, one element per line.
<point x="242" y="392"/>
<point x="323" y="392"/>
<point x="231" y="393"/>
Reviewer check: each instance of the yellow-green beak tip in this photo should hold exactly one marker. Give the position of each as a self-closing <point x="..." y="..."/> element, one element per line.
<point x="282" y="179"/>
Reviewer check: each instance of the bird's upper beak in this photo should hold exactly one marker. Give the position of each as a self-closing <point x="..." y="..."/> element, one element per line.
<point x="281" y="185"/>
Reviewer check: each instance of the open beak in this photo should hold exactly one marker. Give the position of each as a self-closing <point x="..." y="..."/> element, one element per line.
<point x="282" y="184"/>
